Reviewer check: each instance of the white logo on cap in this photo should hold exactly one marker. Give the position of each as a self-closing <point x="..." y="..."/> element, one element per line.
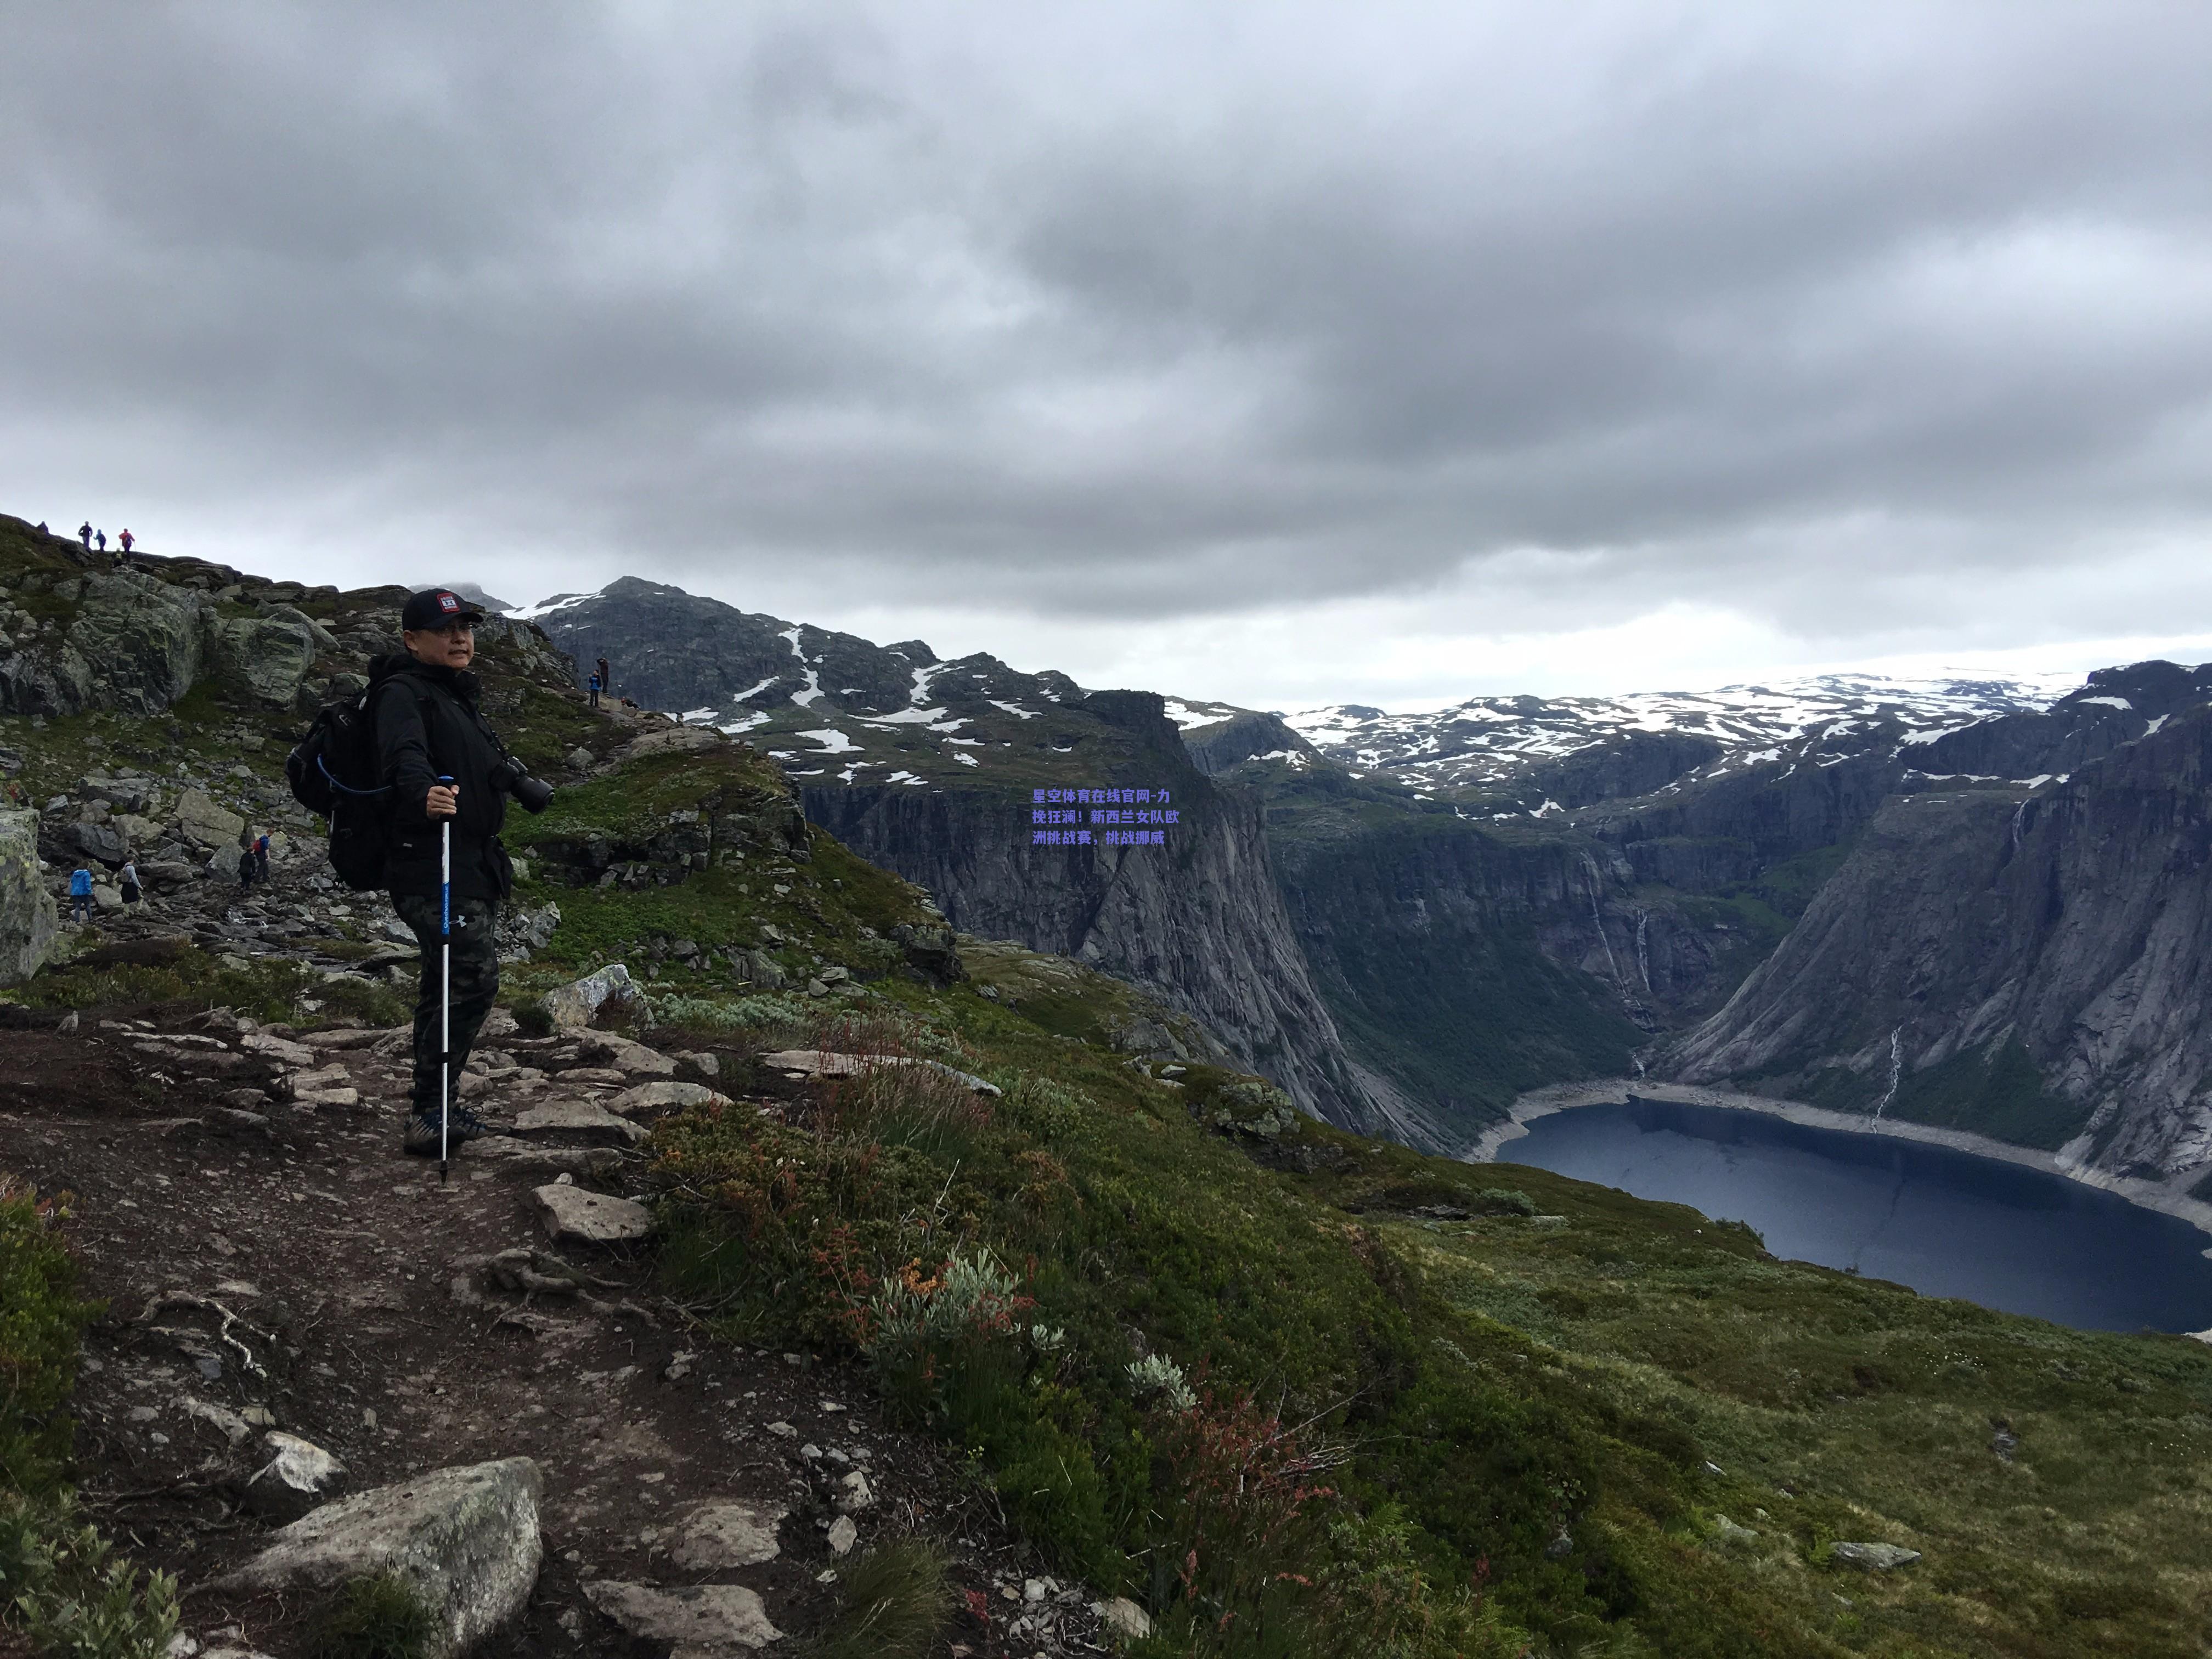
<point x="448" y="602"/>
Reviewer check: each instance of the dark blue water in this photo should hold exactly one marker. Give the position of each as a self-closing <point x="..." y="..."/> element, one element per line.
<point x="1946" y="1222"/>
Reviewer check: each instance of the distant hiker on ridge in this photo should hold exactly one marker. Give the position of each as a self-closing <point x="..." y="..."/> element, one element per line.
<point x="125" y="541"/>
<point x="80" y="894"/>
<point x="595" y="690"/>
<point x="606" y="679"/>
<point x="84" y="534"/>
<point x="99" y="539"/>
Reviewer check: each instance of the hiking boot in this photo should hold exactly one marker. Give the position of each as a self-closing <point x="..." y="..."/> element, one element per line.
<point x="422" y="1136"/>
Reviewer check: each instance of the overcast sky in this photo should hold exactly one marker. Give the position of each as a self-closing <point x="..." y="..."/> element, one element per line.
<point x="1285" y="354"/>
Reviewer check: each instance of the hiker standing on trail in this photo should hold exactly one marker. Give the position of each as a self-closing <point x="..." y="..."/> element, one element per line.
<point x="132" y="892"/>
<point x="245" y="868"/>
<point x="429" y="726"/>
<point x="84" y="534"/>
<point x="595" y="690"/>
<point x="261" y="857"/>
<point x="80" y="895"/>
<point x="99" y="539"/>
<point x="124" y="540"/>
<point x="606" y="679"/>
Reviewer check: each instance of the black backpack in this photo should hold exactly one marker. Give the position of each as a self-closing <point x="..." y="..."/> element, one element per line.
<point x="332" y="772"/>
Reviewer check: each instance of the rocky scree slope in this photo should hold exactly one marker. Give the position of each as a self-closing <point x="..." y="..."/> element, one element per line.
<point x="2032" y="966"/>
<point x="146" y="705"/>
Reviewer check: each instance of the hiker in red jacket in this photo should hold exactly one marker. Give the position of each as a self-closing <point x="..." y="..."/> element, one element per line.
<point x="125" y="539"/>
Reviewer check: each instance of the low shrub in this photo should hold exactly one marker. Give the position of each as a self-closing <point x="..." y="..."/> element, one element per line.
<point x="61" y="1590"/>
<point x="40" y="1320"/>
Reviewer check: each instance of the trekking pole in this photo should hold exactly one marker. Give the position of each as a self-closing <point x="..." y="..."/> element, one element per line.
<point x="444" y="983"/>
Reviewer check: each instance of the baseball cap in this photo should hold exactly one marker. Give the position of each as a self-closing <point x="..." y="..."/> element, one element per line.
<point x="437" y="607"/>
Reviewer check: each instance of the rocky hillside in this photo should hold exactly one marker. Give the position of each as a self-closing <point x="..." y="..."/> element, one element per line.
<point x="839" y="1283"/>
<point x="932" y="769"/>
<point x="1437" y="911"/>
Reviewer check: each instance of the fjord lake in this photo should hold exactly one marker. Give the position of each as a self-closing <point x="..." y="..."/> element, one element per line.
<point x="1944" y="1222"/>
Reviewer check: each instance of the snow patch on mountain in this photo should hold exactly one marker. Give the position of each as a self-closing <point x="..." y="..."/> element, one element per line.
<point x="1491" y="741"/>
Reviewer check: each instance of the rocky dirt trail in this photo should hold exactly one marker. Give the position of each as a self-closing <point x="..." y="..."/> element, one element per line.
<point x="273" y="1266"/>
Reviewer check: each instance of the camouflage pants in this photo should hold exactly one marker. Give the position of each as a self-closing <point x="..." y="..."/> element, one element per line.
<point x="475" y="982"/>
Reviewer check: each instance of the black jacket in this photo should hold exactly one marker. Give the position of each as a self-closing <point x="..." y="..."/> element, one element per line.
<point x="429" y="726"/>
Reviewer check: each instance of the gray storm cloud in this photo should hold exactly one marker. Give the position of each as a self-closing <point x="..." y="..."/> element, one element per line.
<point x="1807" y="312"/>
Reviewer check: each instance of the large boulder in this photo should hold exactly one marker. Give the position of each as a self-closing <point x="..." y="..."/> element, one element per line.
<point x="28" y="920"/>
<point x="464" y="1539"/>
<point x="102" y="841"/>
<point x="143" y="636"/>
<point x="268" y="656"/>
<point x="204" y="821"/>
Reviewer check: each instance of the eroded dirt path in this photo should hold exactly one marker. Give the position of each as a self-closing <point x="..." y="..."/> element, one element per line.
<point x="326" y="1286"/>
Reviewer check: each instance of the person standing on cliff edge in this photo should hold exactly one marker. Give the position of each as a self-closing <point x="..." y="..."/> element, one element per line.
<point x="606" y="679"/>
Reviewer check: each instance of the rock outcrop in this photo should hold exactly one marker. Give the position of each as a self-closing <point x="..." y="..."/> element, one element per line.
<point x="28" y="918"/>
<point x="2033" y="966"/>
<point x="1197" y="921"/>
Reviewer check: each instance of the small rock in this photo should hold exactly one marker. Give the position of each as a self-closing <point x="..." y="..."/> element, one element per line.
<point x="234" y="1427"/>
<point x="1873" y="1558"/>
<point x="783" y="1430"/>
<point x="576" y="1117"/>
<point x="664" y="1094"/>
<point x="704" y="1621"/>
<point x="299" y="1476"/>
<point x="716" y="1535"/>
<point x="591" y="1218"/>
<point x="1033" y="1589"/>
<point x="1727" y="1531"/>
<point x="1561" y="1546"/>
<point x="844" y="1534"/>
<point x="1124" y="1617"/>
<point x="854" y="1492"/>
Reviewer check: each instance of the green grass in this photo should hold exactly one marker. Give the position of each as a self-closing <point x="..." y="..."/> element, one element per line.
<point x="373" y="1618"/>
<point x="1490" y="1383"/>
<point x="892" y="1602"/>
<point x="183" y="974"/>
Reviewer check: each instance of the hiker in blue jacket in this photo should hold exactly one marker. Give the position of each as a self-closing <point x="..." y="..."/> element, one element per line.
<point x="595" y="690"/>
<point x="80" y="895"/>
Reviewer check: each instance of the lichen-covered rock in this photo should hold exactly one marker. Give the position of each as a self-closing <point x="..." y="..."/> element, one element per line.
<point x="146" y="637"/>
<point x="581" y="1001"/>
<point x="465" y="1540"/>
<point x="703" y="1621"/>
<point x="201" y="819"/>
<point x="1873" y="1558"/>
<point x="721" y="1535"/>
<point x="268" y="656"/>
<point x="588" y="1217"/>
<point x="28" y="920"/>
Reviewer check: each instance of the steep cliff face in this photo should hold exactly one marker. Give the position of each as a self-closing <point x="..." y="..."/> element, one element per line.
<point x="2032" y="966"/>
<point x="1197" y="921"/>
